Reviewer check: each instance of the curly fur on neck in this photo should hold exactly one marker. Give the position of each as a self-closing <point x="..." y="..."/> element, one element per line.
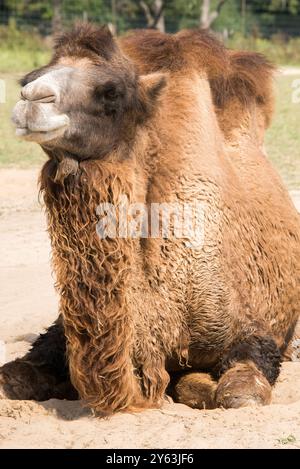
<point x="92" y="278"/>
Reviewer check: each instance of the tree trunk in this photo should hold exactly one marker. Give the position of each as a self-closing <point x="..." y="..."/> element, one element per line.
<point x="158" y="12"/>
<point x="204" y="17"/>
<point x="155" y="14"/>
<point x="113" y="25"/>
<point x="57" y="16"/>
<point x="207" y="17"/>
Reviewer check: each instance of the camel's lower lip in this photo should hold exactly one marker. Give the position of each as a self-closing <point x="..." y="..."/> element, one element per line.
<point x="21" y="131"/>
<point x="39" y="136"/>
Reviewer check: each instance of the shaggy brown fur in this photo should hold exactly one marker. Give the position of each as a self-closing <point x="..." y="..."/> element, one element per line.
<point x="94" y="278"/>
<point x="134" y="309"/>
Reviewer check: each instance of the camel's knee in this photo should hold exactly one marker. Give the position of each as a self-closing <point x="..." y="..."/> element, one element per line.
<point x="243" y="385"/>
<point x="24" y="380"/>
<point x="260" y="350"/>
<point x="196" y="390"/>
<point x="43" y="373"/>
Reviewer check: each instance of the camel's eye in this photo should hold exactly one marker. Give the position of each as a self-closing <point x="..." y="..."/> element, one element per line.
<point x="110" y="93"/>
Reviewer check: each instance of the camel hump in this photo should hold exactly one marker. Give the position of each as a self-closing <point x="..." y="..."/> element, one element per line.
<point x="243" y="75"/>
<point x="239" y="80"/>
<point x="250" y="81"/>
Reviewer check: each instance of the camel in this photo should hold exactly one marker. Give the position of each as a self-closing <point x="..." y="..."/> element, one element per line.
<point x="159" y="119"/>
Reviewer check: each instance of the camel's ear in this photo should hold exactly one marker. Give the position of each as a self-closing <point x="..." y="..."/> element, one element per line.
<point x="149" y="89"/>
<point x="153" y="84"/>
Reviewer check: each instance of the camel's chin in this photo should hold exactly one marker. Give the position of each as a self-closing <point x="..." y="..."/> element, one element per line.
<point x="40" y="137"/>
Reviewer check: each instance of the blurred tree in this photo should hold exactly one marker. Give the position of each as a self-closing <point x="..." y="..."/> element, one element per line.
<point x="154" y="13"/>
<point x="56" y="16"/>
<point x="31" y="8"/>
<point x="276" y="6"/>
<point x="209" y="14"/>
<point x="265" y="17"/>
<point x="232" y="19"/>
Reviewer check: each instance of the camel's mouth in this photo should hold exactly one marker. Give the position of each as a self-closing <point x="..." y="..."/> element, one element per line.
<point x="40" y="136"/>
<point x="37" y="115"/>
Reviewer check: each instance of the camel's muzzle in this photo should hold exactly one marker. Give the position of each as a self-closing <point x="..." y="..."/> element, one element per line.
<point x="36" y="115"/>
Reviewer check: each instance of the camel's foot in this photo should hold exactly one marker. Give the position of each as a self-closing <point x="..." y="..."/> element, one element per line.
<point x="196" y="390"/>
<point x="243" y="385"/>
<point x="23" y="380"/>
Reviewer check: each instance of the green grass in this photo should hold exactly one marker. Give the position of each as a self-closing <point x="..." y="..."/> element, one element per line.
<point x="21" y="59"/>
<point x="282" y="140"/>
<point x="14" y="152"/>
<point x="287" y="440"/>
<point x="277" y="50"/>
<point x="21" y="50"/>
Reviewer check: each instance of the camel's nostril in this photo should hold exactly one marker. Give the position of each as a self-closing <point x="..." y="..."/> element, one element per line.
<point x="40" y="91"/>
<point x="46" y="99"/>
<point x="39" y="98"/>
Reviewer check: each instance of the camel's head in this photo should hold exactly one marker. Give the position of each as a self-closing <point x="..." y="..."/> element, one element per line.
<point x="88" y="99"/>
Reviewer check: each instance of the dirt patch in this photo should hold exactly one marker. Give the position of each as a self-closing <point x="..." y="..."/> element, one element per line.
<point x="28" y="303"/>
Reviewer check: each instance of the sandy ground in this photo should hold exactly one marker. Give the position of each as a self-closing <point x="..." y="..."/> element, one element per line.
<point x="28" y="303"/>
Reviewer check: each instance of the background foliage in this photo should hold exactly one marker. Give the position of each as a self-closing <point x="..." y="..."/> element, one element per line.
<point x="264" y="17"/>
<point x="271" y="27"/>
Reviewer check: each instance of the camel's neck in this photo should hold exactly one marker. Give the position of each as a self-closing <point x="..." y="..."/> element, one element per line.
<point x="93" y="277"/>
<point x="189" y="136"/>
